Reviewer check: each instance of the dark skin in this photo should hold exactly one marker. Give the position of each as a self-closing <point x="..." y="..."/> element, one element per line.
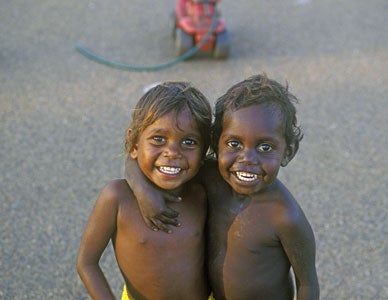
<point x="257" y="238"/>
<point x="256" y="229"/>
<point x="148" y="275"/>
<point x="154" y="266"/>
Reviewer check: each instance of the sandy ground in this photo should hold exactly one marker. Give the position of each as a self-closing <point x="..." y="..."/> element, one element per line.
<point x="63" y="117"/>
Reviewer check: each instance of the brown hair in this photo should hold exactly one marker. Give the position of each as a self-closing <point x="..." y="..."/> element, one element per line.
<point x="164" y="98"/>
<point x="259" y="90"/>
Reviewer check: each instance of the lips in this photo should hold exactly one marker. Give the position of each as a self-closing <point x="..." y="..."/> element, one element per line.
<point x="169" y="170"/>
<point x="247" y="176"/>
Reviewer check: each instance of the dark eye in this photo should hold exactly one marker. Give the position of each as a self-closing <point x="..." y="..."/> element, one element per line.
<point x="189" y="142"/>
<point x="265" y="147"/>
<point x="158" y="139"/>
<point x="233" y="144"/>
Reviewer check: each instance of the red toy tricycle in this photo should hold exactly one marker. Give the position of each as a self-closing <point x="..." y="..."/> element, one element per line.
<point x="193" y="20"/>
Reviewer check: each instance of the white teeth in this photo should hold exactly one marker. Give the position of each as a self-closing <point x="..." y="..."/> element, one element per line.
<point x="245" y="176"/>
<point x="169" y="170"/>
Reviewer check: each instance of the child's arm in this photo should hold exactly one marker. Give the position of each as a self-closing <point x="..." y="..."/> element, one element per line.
<point x="298" y="242"/>
<point x="151" y="200"/>
<point x="98" y="231"/>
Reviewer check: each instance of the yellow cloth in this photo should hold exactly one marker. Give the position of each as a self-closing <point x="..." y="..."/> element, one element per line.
<point x="125" y="296"/>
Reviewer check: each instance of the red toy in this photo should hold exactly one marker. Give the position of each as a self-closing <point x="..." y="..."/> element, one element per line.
<point x="193" y="20"/>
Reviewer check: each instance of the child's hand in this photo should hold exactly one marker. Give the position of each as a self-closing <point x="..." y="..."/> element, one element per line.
<point x="157" y="215"/>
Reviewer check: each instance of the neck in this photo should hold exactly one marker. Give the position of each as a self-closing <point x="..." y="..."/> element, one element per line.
<point x="178" y="192"/>
<point x="240" y="197"/>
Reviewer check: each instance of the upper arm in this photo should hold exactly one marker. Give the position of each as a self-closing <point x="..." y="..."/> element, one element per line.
<point x="100" y="227"/>
<point x="298" y="242"/>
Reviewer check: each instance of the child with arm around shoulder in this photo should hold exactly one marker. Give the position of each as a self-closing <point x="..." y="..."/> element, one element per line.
<point x="256" y="229"/>
<point x="168" y="137"/>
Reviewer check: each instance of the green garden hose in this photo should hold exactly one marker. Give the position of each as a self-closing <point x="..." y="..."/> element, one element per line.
<point x="130" y="67"/>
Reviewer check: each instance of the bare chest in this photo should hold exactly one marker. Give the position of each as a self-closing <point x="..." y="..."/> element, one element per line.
<point x="240" y="230"/>
<point x="244" y="251"/>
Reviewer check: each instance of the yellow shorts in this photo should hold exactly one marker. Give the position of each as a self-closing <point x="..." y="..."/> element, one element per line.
<point x="125" y="296"/>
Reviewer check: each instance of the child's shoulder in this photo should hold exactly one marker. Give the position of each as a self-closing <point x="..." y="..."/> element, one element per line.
<point x="280" y="191"/>
<point x="286" y="209"/>
<point x="116" y="189"/>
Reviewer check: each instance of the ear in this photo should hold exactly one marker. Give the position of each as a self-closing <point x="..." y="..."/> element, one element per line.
<point x="133" y="152"/>
<point x="289" y="153"/>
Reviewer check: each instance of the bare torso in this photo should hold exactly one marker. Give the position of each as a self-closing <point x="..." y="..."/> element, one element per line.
<point x="157" y="265"/>
<point x="246" y="258"/>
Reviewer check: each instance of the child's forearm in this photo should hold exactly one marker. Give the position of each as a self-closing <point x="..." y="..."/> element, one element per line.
<point x="141" y="187"/>
<point x="95" y="282"/>
<point x="151" y="200"/>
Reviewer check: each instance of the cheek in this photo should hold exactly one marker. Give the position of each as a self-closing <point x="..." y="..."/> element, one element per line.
<point x="196" y="159"/>
<point x="271" y="168"/>
<point x="144" y="154"/>
<point x="224" y="161"/>
<point x="225" y="155"/>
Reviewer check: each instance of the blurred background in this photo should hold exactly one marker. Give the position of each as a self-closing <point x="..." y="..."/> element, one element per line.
<point x="63" y="119"/>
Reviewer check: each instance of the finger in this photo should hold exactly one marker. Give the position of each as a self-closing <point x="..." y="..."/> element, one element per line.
<point x="168" y="221"/>
<point x="170" y="213"/>
<point x="158" y="225"/>
<point x="171" y="198"/>
<point x="150" y="224"/>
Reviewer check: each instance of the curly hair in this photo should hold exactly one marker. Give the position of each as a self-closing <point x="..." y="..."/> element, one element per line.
<point x="164" y="98"/>
<point x="259" y="89"/>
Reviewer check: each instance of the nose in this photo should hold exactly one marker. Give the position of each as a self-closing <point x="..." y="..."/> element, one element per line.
<point x="249" y="156"/>
<point x="172" y="151"/>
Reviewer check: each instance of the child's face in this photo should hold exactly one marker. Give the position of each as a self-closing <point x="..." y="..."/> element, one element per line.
<point x="251" y="148"/>
<point x="169" y="151"/>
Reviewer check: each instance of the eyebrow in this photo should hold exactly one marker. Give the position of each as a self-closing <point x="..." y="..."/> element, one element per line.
<point x="158" y="130"/>
<point x="164" y="131"/>
<point x="230" y="136"/>
<point x="239" y="137"/>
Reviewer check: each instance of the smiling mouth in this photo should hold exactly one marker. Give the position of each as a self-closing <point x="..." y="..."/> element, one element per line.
<point x="169" y="170"/>
<point x="246" y="176"/>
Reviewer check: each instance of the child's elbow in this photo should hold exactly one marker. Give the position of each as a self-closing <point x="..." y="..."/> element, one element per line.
<point x="81" y="265"/>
